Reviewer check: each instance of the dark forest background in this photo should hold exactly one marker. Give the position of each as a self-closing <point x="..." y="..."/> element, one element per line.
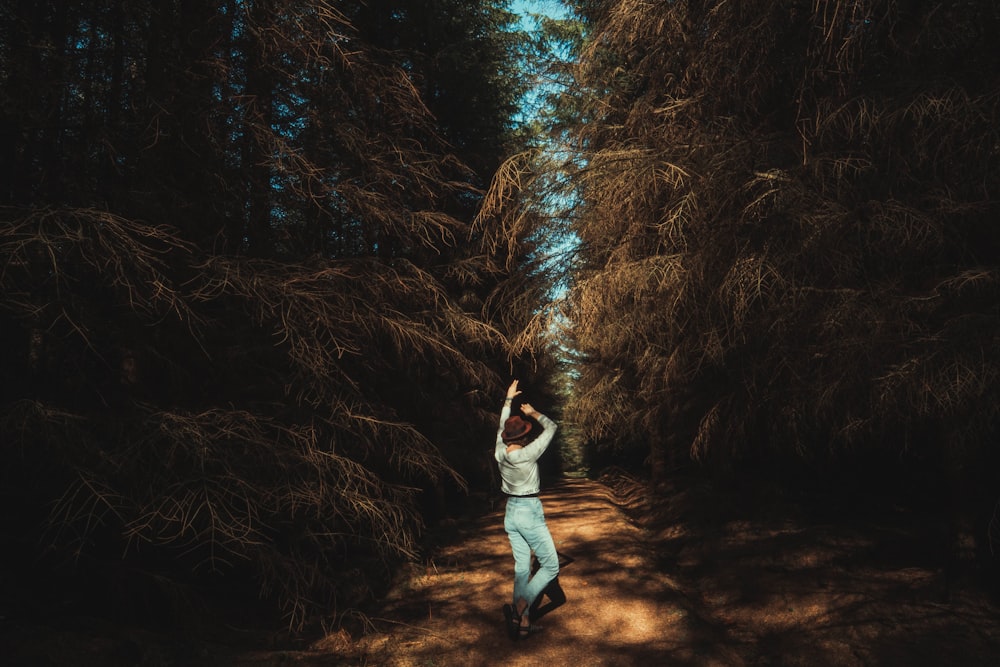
<point x="252" y="339"/>
<point x="267" y="267"/>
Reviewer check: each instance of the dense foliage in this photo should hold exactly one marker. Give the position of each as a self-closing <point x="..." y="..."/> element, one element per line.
<point x="250" y="331"/>
<point x="267" y="265"/>
<point x="788" y="240"/>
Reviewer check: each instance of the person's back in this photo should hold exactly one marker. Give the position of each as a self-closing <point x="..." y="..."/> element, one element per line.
<point x="518" y="461"/>
<point x="524" y="520"/>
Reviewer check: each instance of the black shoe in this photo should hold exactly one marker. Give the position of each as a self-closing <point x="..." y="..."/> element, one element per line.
<point x="513" y="621"/>
<point x="529" y="630"/>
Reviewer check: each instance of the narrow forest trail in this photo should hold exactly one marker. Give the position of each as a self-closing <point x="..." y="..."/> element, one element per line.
<point x="761" y="584"/>
<point x="690" y="579"/>
<point x="619" y="610"/>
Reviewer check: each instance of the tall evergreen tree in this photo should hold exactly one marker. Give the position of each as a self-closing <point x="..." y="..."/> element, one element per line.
<point x="237" y="339"/>
<point x="786" y="235"/>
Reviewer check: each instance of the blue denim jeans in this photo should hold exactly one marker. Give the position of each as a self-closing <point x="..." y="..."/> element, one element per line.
<point x="524" y="522"/>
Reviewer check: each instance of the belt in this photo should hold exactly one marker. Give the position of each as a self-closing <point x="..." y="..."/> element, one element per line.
<point x="528" y="495"/>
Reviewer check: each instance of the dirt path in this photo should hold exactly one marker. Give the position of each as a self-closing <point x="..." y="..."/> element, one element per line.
<point x="690" y="579"/>
<point x="619" y="610"/>
<point x="763" y="586"/>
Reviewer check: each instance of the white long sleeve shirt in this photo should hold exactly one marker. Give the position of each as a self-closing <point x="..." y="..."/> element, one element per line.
<point x="519" y="468"/>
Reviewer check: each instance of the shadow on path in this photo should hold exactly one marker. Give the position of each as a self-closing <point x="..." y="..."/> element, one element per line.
<point x="687" y="579"/>
<point x="619" y="610"/>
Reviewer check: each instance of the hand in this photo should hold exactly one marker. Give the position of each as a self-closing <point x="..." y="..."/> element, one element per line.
<point x="512" y="391"/>
<point x="528" y="410"/>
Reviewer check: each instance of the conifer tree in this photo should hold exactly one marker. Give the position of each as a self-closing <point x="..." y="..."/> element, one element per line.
<point x="244" y="325"/>
<point x="786" y="238"/>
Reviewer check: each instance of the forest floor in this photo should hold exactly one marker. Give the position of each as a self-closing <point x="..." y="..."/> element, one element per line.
<point x="677" y="582"/>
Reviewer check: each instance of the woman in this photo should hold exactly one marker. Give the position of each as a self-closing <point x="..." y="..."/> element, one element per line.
<point x="517" y="457"/>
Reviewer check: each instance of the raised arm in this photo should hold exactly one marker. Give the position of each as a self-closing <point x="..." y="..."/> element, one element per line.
<point x="512" y="393"/>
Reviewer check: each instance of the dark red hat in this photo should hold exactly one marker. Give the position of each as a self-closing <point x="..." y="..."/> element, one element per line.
<point x="515" y="428"/>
